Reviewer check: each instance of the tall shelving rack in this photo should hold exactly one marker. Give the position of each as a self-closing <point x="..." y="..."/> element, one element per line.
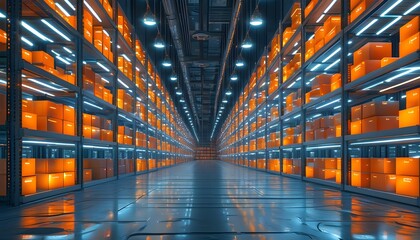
<point x="80" y="101"/>
<point x="311" y="85"/>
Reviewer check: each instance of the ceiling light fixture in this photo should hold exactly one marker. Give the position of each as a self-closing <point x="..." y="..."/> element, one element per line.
<point x="159" y="43"/>
<point x="149" y="18"/>
<point x="247" y="43"/>
<point x="173" y="76"/>
<point x="234" y="76"/>
<point x="229" y="91"/>
<point x="240" y="61"/>
<point x="166" y="62"/>
<point x="256" y="18"/>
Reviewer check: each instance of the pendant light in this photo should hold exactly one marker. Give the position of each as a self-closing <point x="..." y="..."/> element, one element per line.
<point x="234" y="76"/>
<point x="159" y="43"/>
<point x="149" y="18"/>
<point x="166" y="62"/>
<point x="173" y="76"/>
<point x="247" y="43"/>
<point x="240" y="61"/>
<point x="256" y="18"/>
<point x="229" y="91"/>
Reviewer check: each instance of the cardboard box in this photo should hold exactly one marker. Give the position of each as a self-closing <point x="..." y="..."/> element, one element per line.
<point x="359" y="179"/>
<point x="409" y="117"/>
<point x="319" y="34"/>
<point x="332" y="33"/>
<point x="310" y="7"/>
<point x="319" y="45"/>
<point x="50" y="124"/>
<point x="69" y="128"/>
<point x="98" y="37"/>
<point x="47" y="108"/>
<point x="49" y="181"/>
<point x="322" y="79"/>
<point x="410" y="28"/>
<point x="361" y="165"/>
<point x="29" y="185"/>
<point x="359" y="9"/>
<point x="320" y="133"/>
<point x="388" y="60"/>
<point x="410" y="45"/>
<point x="27" y="55"/>
<point x="383" y="182"/>
<point x="325" y="174"/>
<point x="96" y="133"/>
<point x="379" y="123"/>
<point x="408" y="185"/>
<point x="407" y="166"/>
<point x="28" y="167"/>
<point x="106" y="135"/>
<point x="96" y="121"/>
<point x="29" y="120"/>
<point x="325" y="163"/>
<point x="87" y="175"/>
<point x="42" y="59"/>
<point x="372" y="51"/>
<point x="87" y="131"/>
<point x="49" y="165"/>
<point x="335" y="81"/>
<point x="413" y="98"/>
<point x="69" y="114"/>
<point x="380" y="108"/>
<point x="382" y="165"/>
<point x="69" y="164"/>
<point x="69" y="179"/>
<point x="364" y="68"/>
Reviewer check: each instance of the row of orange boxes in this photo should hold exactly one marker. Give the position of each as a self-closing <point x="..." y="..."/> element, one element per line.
<point x="274" y="49"/>
<point x="324" y="168"/>
<point x="125" y="135"/>
<point x="292" y="135"/>
<point x="293" y="101"/>
<point x="124" y="27"/>
<point x="374" y="116"/>
<point x="98" y="128"/>
<point x="323" y="128"/>
<point x="411" y="115"/>
<point x="69" y="19"/>
<point x="99" y="168"/>
<point x="292" y="166"/>
<point x="410" y="37"/>
<point x="125" y="100"/>
<point x="357" y="7"/>
<point x="102" y="42"/>
<point x="48" y="116"/>
<point x="291" y="67"/>
<point x="125" y="67"/>
<point x="46" y="62"/>
<point x="125" y="166"/>
<point x="322" y="85"/>
<point x="95" y="83"/>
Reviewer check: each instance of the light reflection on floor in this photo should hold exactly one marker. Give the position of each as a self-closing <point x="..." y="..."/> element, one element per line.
<point x="210" y="200"/>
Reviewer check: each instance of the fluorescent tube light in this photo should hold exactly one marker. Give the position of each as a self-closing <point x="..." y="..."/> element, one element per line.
<point x="103" y="79"/>
<point x="126" y="58"/>
<point x="70" y="5"/>
<point x="400" y="84"/>
<point x="2" y="15"/>
<point x="49" y="143"/>
<point x="276" y="70"/>
<point x="67" y="50"/>
<point x="45" y="85"/>
<point x="367" y="26"/>
<point x="327" y="104"/>
<point x="27" y="41"/>
<point x="316" y="66"/>
<point x="36" y="32"/>
<point x="56" y="30"/>
<point x="412" y="9"/>
<point x="372" y="86"/>
<point x="62" y="9"/>
<point x="330" y="6"/>
<point x="122" y="83"/>
<point x="63" y="60"/>
<point x="389" y="25"/>
<point x="93" y="105"/>
<point x="387" y="141"/>
<point x="402" y="74"/>
<point x="331" y="55"/>
<point x="92" y="11"/>
<point x="320" y="18"/>
<point x="391" y="7"/>
<point x="332" y="64"/>
<point x="102" y="66"/>
<point x="322" y="147"/>
<point x="38" y="90"/>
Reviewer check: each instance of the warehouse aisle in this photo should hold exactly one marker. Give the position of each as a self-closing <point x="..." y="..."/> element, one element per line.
<point x="210" y="200"/>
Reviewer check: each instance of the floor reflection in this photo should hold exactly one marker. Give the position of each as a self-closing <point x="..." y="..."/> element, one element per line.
<point x="210" y="200"/>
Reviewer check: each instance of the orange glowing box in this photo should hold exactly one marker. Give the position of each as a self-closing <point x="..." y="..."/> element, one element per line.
<point x="68" y="114"/>
<point x="379" y="123"/>
<point x="361" y="164"/>
<point x="29" y="120"/>
<point x="325" y="163"/>
<point x="408" y="166"/>
<point x="309" y="170"/>
<point x="383" y="165"/>
<point x="87" y="131"/>
<point x="409" y="117"/>
<point x="356" y="113"/>
<point x="96" y="133"/>
<point x="49" y="124"/>
<point x="87" y="175"/>
<point x="380" y="108"/>
<point x="359" y="9"/>
<point x="320" y="80"/>
<point x="310" y="7"/>
<point x="359" y="179"/>
<point x="69" y="128"/>
<point x="364" y="68"/>
<point x="410" y="45"/>
<point x="388" y="60"/>
<point x="320" y="133"/>
<point x="108" y="8"/>
<point x="319" y="45"/>
<point x="87" y="119"/>
<point x="309" y="136"/>
<point x="408" y="185"/>
<point x="69" y="164"/>
<point x="43" y="59"/>
<point x="96" y="121"/>
<point x="325" y="174"/>
<point x="319" y="34"/>
<point x="331" y="23"/>
<point x="98" y="37"/>
<point x="28" y="167"/>
<point x="27" y="105"/>
<point x="49" y="181"/>
<point x="69" y="179"/>
<point x="372" y="51"/>
<point x="410" y="28"/>
<point x="335" y="81"/>
<point x="49" y="109"/>
<point x="49" y="165"/>
<point x="29" y="185"/>
<point x="27" y="55"/>
<point x="383" y="182"/>
<point x="413" y="98"/>
<point x="287" y="34"/>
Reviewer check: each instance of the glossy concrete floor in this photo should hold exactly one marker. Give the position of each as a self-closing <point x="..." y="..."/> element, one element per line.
<point x="210" y="200"/>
